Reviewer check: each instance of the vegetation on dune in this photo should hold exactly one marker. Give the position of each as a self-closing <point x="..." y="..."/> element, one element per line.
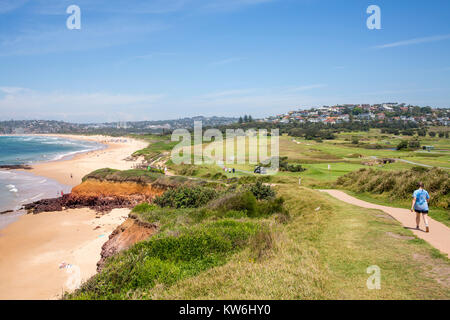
<point x="136" y="175"/>
<point x="191" y="240"/>
<point x="400" y="185"/>
<point x="166" y="259"/>
<point x="320" y="254"/>
<point x="185" y="197"/>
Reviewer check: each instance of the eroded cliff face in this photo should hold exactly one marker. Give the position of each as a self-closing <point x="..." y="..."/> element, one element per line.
<point x="125" y="235"/>
<point x="102" y="196"/>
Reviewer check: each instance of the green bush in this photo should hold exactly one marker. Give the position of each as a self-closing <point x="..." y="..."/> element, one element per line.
<point x="244" y="201"/>
<point x="185" y="197"/>
<point x="261" y="191"/>
<point x="402" y="145"/>
<point x="272" y="206"/>
<point x="167" y="259"/>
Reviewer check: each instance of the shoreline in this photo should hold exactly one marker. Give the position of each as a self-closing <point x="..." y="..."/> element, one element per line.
<point x="33" y="247"/>
<point x="82" y="163"/>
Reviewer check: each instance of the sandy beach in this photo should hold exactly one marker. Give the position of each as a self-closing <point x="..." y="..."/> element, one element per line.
<point x="118" y="149"/>
<point x="43" y="255"/>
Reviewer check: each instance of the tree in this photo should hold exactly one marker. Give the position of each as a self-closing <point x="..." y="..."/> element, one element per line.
<point x="432" y="134"/>
<point x="414" y="144"/>
<point x="250" y="119"/>
<point x="245" y="118"/>
<point x="240" y="120"/>
<point x="402" y="145"/>
<point x="422" y="132"/>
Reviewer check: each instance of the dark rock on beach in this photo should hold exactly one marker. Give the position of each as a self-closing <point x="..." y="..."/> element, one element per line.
<point x="15" y="167"/>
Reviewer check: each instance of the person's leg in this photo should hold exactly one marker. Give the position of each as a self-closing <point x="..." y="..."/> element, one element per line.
<point x="425" y="219"/>
<point x="417" y="219"/>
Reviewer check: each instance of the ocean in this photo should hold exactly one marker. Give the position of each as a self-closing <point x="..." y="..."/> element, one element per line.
<point x="17" y="187"/>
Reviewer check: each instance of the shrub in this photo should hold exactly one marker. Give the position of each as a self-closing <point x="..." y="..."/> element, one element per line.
<point x="244" y="201"/>
<point x="402" y="145"/>
<point x="271" y="206"/>
<point x="167" y="259"/>
<point x="185" y="197"/>
<point x="414" y="144"/>
<point x="261" y="191"/>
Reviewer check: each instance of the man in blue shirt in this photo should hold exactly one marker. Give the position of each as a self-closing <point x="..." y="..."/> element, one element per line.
<point x="420" y="205"/>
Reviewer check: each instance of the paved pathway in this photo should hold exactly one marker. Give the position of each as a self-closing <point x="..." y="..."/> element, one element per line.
<point x="439" y="236"/>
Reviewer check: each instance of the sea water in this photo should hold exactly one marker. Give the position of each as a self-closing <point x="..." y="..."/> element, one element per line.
<point x="20" y="187"/>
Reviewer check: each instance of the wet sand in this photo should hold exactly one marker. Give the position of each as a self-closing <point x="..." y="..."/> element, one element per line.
<point x="118" y="149"/>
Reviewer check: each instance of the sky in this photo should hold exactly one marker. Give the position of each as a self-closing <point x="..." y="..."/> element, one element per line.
<point x="167" y="59"/>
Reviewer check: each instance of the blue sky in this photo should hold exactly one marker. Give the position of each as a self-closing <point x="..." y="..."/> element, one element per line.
<point x="166" y="59"/>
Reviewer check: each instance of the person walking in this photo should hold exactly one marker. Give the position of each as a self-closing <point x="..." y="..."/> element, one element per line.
<point x="420" y="205"/>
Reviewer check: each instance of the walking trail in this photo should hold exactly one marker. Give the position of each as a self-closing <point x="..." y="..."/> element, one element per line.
<point x="438" y="237"/>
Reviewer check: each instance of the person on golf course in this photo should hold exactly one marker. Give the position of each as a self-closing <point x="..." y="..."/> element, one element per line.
<point x="420" y="205"/>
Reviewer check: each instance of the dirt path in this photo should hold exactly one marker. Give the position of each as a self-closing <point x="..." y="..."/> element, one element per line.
<point x="439" y="236"/>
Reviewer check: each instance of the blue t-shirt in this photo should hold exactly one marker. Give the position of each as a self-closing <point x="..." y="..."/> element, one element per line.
<point x="421" y="199"/>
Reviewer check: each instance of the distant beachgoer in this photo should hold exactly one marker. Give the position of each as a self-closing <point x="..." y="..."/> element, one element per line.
<point x="234" y="170"/>
<point x="62" y="193"/>
<point x="71" y="176"/>
<point x="420" y="205"/>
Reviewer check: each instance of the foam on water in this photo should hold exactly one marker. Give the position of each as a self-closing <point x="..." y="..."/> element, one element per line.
<point x="18" y="188"/>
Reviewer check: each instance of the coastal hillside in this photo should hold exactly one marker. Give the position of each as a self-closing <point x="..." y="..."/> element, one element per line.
<point x="293" y="243"/>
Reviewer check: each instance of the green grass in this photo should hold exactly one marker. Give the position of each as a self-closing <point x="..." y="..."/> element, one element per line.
<point x="320" y="250"/>
<point x="324" y="255"/>
<point x="165" y="259"/>
<point x="135" y="175"/>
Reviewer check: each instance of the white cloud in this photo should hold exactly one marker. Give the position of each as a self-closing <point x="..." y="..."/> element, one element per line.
<point x="414" y="41"/>
<point x="21" y="103"/>
<point x="10" y="5"/>
<point x="226" y="61"/>
<point x="308" y="87"/>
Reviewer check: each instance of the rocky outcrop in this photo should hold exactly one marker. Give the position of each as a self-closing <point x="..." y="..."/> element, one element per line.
<point x="125" y="235"/>
<point x="101" y="196"/>
<point x="16" y="167"/>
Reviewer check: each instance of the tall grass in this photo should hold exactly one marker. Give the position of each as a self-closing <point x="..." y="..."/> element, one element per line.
<point x="400" y="185"/>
